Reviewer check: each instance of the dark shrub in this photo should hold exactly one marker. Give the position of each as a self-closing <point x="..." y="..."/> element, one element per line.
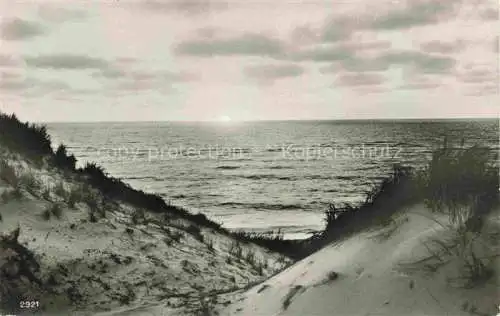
<point x="29" y="181"/>
<point x="463" y="183"/>
<point x="63" y="160"/>
<point x="29" y="139"/>
<point x="195" y="232"/>
<point x="8" y="174"/>
<point x="54" y="209"/>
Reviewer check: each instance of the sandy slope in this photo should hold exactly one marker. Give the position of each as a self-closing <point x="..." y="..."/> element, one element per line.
<point x="369" y="274"/>
<point x="99" y="267"/>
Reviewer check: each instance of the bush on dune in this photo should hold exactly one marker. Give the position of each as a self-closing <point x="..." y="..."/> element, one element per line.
<point x="273" y="241"/>
<point x="116" y="189"/>
<point x="462" y="183"/>
<point x="19" y="269"/>
<point x="30" y="139"/>
<point x="30" y="182"/>
<point x="388" y="197"/>
<point x="33" y="141"/>
<point x="8" y="174"/>
<point x="63" y="160"/>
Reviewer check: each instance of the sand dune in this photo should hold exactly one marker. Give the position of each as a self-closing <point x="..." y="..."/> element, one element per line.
<point x="380" y="272"/>
<point x="118" y="261"/>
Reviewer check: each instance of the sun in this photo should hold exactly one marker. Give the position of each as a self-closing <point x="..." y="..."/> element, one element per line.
<point x="225" y="118"/>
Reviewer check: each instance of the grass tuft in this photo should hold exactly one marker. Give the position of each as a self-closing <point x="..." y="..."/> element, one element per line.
<point x="28" y="181"/>
<point x="60" y="190"/>
<point x="54" y="209"/>
<point x="236" y="250"/>
<point x="138" y="216"/>
<point x="8" y="174"/>
<point x="74" y="196"/>
<point x="462" y="183"/>
<point x="195" y="231"/>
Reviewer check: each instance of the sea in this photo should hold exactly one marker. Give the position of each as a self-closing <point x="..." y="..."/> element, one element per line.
<point x="264" y="176"/>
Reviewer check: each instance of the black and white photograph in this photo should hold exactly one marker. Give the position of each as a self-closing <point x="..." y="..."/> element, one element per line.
<point x="249" y="158"/>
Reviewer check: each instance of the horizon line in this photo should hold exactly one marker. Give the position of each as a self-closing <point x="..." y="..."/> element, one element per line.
<point x="282" y="120"/>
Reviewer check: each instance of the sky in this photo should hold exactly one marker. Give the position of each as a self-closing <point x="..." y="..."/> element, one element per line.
<point x="164" y="60"/>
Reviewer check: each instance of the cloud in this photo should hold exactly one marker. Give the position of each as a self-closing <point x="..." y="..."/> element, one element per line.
<point x="304" y="35"/>
<point x="419" y="86"/>
<point x="272" y="72"/>
<point x="483" y="90"/>
<point x="14" y="29"/>
<point x="245" y="45"/>
<point x="321" y="54"/>
<point x="372" y="45"/>
<point x="16" y="82"/>
<point x="359" y="79"/>
<point x="184" y="6"/>
<point x="426" y="63"/>
<point x="66" y="61"/>
<point x="485" y="75"/>
<point x="339" y="28"/>
<point x="126" y="80"/>
<point x="9" y="75"/>
<point x="59" y="13"/>
<point x="355" y="64"/>
<point x="9" y="61"/>
<point x="415" y="14"/>
<point x="489" y="14"/>
<point x="110" y="73"/>
<point x="443" y="47"/>
<point x="420" y="82"/>
<point x="123" y="73"/>
<point x="207" y="32"/>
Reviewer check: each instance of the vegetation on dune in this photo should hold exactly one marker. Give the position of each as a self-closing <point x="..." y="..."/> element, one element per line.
<point x="463" y="184"/>
<point x="32" y="140"/>
<point x="460" y="182"/>
<point x="18" y="266"/>
<point x="8" y="174"/>
<point x="54" y="209"/>
<point x="388" y="197"/>
<point x="63" y="160"/>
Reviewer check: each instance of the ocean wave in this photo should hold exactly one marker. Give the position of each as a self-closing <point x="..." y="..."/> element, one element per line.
<point x="268" y="177"/>
<point x="318" y="177"/>
<point x="279" y="167"/>
<point x="150" y="178"/>
<point x="273" y="150"/>
<point x="346" y="177"/>
<point x="263" y="206"/>
<point x="331" y="191"/>
<point x="227" y="167"/>
<point x="179" y="196"/>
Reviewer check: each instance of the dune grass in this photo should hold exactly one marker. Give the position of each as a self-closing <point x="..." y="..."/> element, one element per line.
<point x="30" y="182"/>
<point x="24" y="262"/>
<point x="462" y="184"/>
<point x="381" y="203"/>
<point x="9" y="174"/>
<point x="31" y="140"/>
<point x="53" y="209"/>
